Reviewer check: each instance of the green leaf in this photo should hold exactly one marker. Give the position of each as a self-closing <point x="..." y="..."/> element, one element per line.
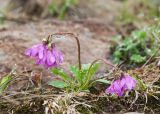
<point x="61" y="73"/>
<point x="116" y="60"/>
<point x="151" y="52"/>
<point x="127" y="41"/>
<point x="4" y="83"/>
<point x="131" y="46"/>
<point x="74" y="70"/>
<point x="67" y="4"/>
<point x="118" y="54"/>
<point x="76" y="73"/>
<point x="137" y="58"/>
<point x="139" y="34"/>
<point x="103" y="81"/>
<point x="58" y="84"/>
<point x="94" y="69"/>
<point x="52" y="7"/>
<point x="90" y="74"/>
<point x="141" y="85"/>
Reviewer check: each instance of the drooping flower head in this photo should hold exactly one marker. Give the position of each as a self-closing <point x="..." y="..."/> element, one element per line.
<point x="128" y="82"/>
<point x="119" y="86"/>
<point x="48" y="56"/>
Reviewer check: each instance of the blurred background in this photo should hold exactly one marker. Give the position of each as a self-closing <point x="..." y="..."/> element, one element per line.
<point x="117" y="12"/>
<point x="61" y="9"/>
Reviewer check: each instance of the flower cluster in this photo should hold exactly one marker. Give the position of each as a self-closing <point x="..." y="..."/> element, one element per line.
<point x="48" y="57"/>
<point x="121" y="85"/>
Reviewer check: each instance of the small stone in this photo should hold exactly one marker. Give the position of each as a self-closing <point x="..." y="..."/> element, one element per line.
<point x="158" y="64"/>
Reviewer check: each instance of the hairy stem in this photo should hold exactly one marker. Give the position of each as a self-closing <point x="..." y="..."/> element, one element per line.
<point x="100" y="59"/>
<point x="78" y="44"/>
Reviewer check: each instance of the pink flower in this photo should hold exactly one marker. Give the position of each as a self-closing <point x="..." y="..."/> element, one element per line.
<point x="48" y="57"/>
<point x="121" y="85"/>
<point x="36" y="51"/>
<point x="57" y="54"/>
<point x="128" y="82"/>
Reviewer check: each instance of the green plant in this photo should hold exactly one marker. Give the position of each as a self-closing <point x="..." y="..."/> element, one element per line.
<point x="4" y="83"/>
<point x="81" y="77"/>
<point x="60" y="8"/>
<point x="138" y="10"/>
<point x="140" y="84"/>
<point x="2" y="17"/>
<point x="136" y="48"/>
<point x="78" y="81"/>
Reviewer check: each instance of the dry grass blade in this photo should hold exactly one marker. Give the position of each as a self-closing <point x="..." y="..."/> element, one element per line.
<point x="136" y="98"/>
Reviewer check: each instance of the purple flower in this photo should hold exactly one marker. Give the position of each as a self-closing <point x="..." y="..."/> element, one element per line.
<point x="116" y="88"/>
<point x="128" y="82"/>
<point x="48" y="57"/>
<point x="121" y="85"/>
<point x="36" y="51"/>
<point x="57" y="54"/>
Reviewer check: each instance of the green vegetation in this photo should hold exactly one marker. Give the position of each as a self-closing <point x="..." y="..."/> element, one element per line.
<point x="138" y="10"/>
<point x="80" y="80"/>
<point x="61" y="7"/>
<point x="2" y="17"/>
<point x="136" y="48"/>
<point x="4" y="83"/>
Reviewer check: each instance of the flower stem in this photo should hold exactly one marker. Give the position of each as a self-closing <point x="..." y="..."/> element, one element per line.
<point x="89" y="76"/>
<point x="78" y="44"/>
<point x="100" y="59"/>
